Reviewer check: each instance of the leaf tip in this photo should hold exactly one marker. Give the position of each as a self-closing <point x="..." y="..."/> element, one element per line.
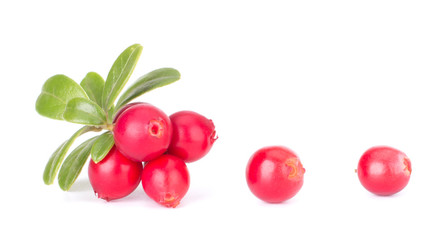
<point x="47" y="181"/>
<point x="137" y="45"/>
<point x="96" y="160"/>
<point x="64" y="187"/>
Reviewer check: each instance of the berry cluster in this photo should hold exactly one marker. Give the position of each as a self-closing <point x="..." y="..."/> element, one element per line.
<point x="145" y="134"/>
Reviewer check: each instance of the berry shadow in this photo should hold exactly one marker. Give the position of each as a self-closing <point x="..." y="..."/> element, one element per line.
<point x="82" y="185"/>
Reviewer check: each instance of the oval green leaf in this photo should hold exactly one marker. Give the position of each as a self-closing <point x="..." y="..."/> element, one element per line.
<point x="102" y="146"/>
<point x="84" y="111"/>
<point x="119" y="74"/>
<point x="56" y="93"/>
<point x="56" y="158"/>
<point x="73" y="164"/>
<point x="93" y="85"/>
<point x="155" y="79"/>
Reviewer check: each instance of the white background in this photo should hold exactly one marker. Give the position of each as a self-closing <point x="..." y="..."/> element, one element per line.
<point x="328" y="79"/>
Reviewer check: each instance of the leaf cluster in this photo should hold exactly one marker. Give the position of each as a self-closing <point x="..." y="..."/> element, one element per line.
<point x="94" y="104"/>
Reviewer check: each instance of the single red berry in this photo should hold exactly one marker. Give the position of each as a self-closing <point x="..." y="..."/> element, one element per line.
<point x="115" y="176"/>
<point x="274" y="174"/>
<point x="166" y="180"/>
<point x="193" y="135"/>
<point x="384" y="170"/>
<point x="142" y="132"/>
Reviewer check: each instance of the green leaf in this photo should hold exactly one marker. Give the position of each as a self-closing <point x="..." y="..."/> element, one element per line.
<point x="84" y="111"/>
<point x="56" y="158"/>
<point x="102" y="146"/>
<point x="56" y="93"/>
<point x="110" y="114"/>
<point x="155" y="79"/>
<point x="93" y="84"/>
<point x="119" y="74"/>
<point x="73" y="164"/>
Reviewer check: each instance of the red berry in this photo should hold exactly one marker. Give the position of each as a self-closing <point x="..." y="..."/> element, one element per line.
<point x="166" y="180"/>
<point x="193" y="135"/>
<point x="384" y="170"/>
<point x="142" y="132"/>
<point x="274" y="174"/>
<point x="115" y="176"/>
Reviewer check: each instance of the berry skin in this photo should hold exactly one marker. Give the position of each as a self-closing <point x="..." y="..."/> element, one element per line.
<point x="124" y="108"/>
<point x="142" y="132"/>
<point x="384" y="170"/>
<point x="166" y="180"/>
<point x="115" y="176"/>
<point x="193" y="135"/>
<point x="274" y="174"/>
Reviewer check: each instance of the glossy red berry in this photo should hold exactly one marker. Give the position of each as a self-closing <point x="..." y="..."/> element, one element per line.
<point x="142" y="132"/>
<point x="384" y="170"/>
<point x="115" y="176"/>
<point x="193" y="135"/>
<point x="274" y="174"/>
<point x="166" y="180"/>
